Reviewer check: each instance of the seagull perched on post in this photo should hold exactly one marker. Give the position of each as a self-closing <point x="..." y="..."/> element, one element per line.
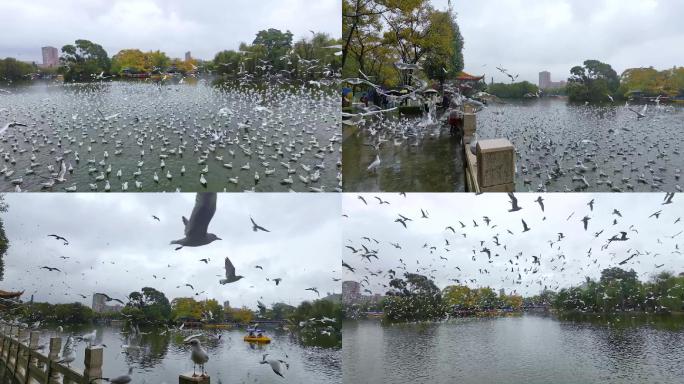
<point x="196" y="228"/>
<point x="230" y="273"/>
<point x="198" y="356"/>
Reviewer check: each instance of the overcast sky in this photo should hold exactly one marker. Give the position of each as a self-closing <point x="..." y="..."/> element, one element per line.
<point x="528" y="36"/>
<point x="115" y="246"/>
<point x="377" y="222"/>
<point x="203" y="27"/>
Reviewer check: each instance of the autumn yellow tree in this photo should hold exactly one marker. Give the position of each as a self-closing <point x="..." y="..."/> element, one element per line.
<point x="186" y="308"/>
<point x="243" y="315"/>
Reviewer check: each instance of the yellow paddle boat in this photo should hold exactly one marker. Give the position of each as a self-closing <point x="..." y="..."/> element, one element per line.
<point x="257" y="339"/>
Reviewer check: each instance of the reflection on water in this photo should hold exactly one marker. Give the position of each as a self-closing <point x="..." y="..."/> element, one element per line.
<point x="158" y="358"/>
<point x="429" y="161"/>
<point x="176" y="131"/>
<point x="526" y="349"/>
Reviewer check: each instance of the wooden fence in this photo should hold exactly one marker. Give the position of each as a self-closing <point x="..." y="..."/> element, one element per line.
<point x="23" y="364"/>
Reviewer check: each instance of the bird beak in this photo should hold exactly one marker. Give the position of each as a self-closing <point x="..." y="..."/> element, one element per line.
<point x="218" y="238"/>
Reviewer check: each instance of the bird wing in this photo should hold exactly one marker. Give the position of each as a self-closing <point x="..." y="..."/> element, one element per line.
<point x="230" y="269"/>
<point x="202" y="213"/>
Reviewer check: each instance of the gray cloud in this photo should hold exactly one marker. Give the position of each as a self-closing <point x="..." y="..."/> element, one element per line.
<point x="377" y="221"/>
<point x="174" y="26"/>
<point x="115" y="246"/>
<point x="527" y="37"/>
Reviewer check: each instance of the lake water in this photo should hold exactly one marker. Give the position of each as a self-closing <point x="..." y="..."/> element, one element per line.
<point x="227" y="134"/>
<point x="526" y="349"/>
<point x="560" y="146"/>
<point x="160" y="359"/>
<point x="604" y="144"/>
<point x="421" y="160"/>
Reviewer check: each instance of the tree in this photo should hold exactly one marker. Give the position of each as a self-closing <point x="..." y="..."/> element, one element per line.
<point x="243" y="315"/>
<point x="276" y="43"/>
<point x="186" y="308"/>
<point x="82" y="61"/>
<point x="13" y="70"/>
<point x="512" y="91"/>
<point x="132" y="60"/>
<point x="227" y="61"/>
<point x="592" y="82"/>
<point x="148" y="306"/>
<point x="413" y="298"/>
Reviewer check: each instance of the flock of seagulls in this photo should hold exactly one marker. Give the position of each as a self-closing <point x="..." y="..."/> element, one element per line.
<point x="196" y="233"/>
<point x="493" y="250"/>
<point x="597" y="148"/>
<point x="120" y="136"/>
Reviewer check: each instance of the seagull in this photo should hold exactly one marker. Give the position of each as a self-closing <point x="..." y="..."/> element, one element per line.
<point x="123" y="379"/>
<point x="585" y="220"/>
<point x="540" y="200"/>
<point x="50" y="269"/>
<point x="256" y="227"/>
<point x="525" y="227"/>
<point x="276" y="365"/>
<point x="591" y="205"/>
<point x="108" y="299"/>
<point x="155" y="217"/>
<point x="313" y="290"/>
<point x="230" y="273"/>
<point x="514" y="203"/>
<point x="57" y="237"/>
<point x="196" y="228"/>
<point x="668" y="198"/>
<point x="198" y="356"/>
<point x="277" y="280"/>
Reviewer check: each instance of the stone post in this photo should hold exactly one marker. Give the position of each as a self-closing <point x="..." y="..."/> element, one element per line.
<point x="495" y="165"/>
<point x="187" y="378"/>
<point x="53" y="355"/>
<point x="469" y="127"/>
<point x="93" y="363"/>
<point x="33" y="349"/>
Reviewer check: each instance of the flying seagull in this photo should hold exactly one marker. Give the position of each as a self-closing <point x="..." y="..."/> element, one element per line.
<point x="50" y="269"/>
<point x="276" y="365"/>
<point x="525" y="227"/>
<point x="196" y="228"/>
<point x="58" y="237"/>
<point x="313" y="290"/>
<point x="514" y="203"/>
<point x="230" y="273"/>
<point x="256" y="227"/>
<point x="108" y="299"/>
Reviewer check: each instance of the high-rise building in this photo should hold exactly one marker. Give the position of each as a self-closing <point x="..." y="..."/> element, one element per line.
<point x="50" y="57"/>
<point x="226" y="304"/>
<point x="544" y="79"/>
<point x="546" y="83"/>
<point x="99" y="305"/>
<point x="188" y="56"/>
<point x="350" y="291"/>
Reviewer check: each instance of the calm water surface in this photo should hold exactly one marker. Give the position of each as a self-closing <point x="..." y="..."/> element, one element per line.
<point x="160" y="359"/>
<point x="525" y="349"/>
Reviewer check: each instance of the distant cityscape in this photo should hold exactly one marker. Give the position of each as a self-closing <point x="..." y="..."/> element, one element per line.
<point x="546" y="83"/>
<point x="51" y="58"/>
<point x="351" y="294"/>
